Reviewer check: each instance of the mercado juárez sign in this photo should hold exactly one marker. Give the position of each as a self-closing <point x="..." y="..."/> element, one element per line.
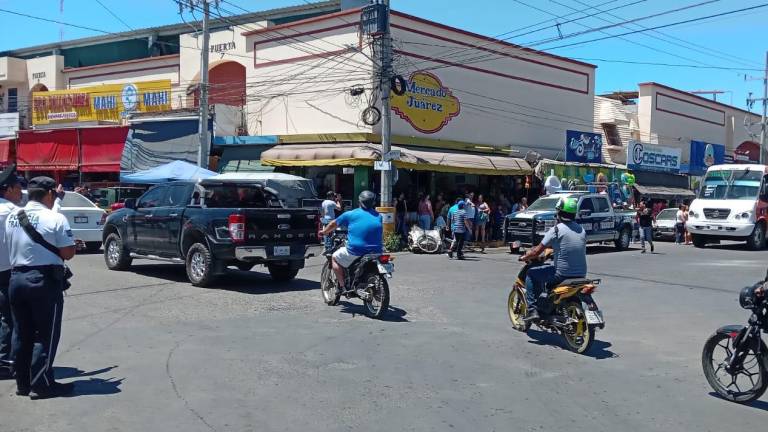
<point x="426" y="103"/>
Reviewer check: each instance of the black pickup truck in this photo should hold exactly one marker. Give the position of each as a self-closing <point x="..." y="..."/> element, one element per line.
<point x="209" y="225"/>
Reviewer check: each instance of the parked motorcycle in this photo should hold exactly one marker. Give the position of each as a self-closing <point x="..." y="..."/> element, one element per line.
<point x="567" y="309"/>
<point x="425" y="241"/>
<point x="735" y="358"/>
<point x="365" y="279"/>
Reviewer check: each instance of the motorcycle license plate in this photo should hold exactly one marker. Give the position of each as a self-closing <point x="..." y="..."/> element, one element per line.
<point x="282" y="250"/>
<point x="516" y="244"/>
<point x="386" y="268"/>
<point x="594" y="317"/>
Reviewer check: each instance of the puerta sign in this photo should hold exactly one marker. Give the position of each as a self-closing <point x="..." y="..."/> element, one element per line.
<point x="651" y="157"/>
<point x="584" y="147"/>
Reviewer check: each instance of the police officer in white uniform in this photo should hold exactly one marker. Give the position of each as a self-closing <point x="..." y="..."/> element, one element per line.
<point x="36" y="289"/>
<point x="10" y="197"/>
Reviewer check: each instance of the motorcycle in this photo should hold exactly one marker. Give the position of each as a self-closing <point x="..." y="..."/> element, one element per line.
<point x="366" y="279"/>
<point x="567" y="309"/>
<point x="735" y="358"/>
<point x="426" y="241"/>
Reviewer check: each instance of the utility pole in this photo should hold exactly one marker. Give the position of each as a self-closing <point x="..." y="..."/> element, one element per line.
<point x="763" y="123"/>
<point x="764" y="100"/>
<point x="205" y="139"/>
<point x="386" y="113"/>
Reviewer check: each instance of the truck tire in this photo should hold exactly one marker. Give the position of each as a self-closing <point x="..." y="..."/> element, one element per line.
<point x="756" y="241"/>
<point x="699" y="241"/>
<point x="200" y="265"/>
<point x="115" y="255"/>
<point x="282" y="273"/>
<point x="625" y="236"/>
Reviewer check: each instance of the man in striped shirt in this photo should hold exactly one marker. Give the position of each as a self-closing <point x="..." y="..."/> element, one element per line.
<point x="459" y="226"/>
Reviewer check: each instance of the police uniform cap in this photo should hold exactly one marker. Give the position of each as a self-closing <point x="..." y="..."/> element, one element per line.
<point x="42" y="183"/>
<point x="8" y="177"/>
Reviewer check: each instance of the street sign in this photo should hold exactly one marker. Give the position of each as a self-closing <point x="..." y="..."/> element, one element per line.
<point x="382" y="165"/>
<point x="392" y="155"/>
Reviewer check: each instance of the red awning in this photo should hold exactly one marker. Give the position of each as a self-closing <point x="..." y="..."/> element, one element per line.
<point x="5" y="152"/>
<point x="102" y="148"/>
<point x="54" y="150"/>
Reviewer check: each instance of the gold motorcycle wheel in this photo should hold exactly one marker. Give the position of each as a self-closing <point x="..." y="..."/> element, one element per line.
<point x="580" y="335"/>
<point x="517" y="307"/>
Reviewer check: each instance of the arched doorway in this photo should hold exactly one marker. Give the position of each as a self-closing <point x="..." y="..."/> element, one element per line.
<point x="227" y="84"/>
<point x="39" y="87"/>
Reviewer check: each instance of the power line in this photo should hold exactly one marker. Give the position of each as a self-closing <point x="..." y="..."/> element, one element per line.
<point x="117" y="17"/>
<point x="664" y="26"/>
<point x="703" y="49"/>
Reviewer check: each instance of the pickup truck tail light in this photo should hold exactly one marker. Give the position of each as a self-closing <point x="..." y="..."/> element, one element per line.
<point x="103" y="219"/>
<point x="236" y="225"/>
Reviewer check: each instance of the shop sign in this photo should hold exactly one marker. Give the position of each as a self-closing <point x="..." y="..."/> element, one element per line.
<point x="651" y="157"/>
<point x="426" y="104"/>
<point x="703" y="155"/>
<point x="583" y="147"/>
<point x="9" y="124"/>
<point x="109" y="102"/>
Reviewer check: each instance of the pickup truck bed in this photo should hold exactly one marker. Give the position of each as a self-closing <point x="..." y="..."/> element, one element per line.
<point x="209" y="226"/>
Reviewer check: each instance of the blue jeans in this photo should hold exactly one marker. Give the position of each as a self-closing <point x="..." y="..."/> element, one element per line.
<point x="679" y="233"/>
<point x="425" y="222"/>
<point x="536" y="282"/>
<point x="646" y="233"/>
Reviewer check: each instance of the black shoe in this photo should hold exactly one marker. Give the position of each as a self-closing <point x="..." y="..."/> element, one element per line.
<point x="450" y="255"/>
<point x="461" y="257"/>
<point x="22" y="391"/>
<point x="532" y="315"/>
<point x="651" y="247"/>
<point x="52" y="391"/>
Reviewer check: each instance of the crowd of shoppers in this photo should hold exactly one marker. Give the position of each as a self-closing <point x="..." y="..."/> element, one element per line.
<point x="485" y="216"/>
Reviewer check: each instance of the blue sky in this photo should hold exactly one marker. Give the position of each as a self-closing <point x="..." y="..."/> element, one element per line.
<point x="734" y="41"/>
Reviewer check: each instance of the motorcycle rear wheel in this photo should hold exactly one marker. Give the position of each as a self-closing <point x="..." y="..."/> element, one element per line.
<point x="579" y="339"/>
<point x="755" y="372"/>
<point x="517" y="307"/>
<point x="377" y="288"/>
<point x="331" y="295"/>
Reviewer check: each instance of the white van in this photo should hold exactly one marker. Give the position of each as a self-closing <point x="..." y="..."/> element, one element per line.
<point x="731" y="205"/>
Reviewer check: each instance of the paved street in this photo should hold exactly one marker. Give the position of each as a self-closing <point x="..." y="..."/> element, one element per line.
<point x="149" y="352"/>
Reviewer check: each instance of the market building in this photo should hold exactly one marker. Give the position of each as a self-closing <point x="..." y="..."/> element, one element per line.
<point x="295" y="87"/>
<point x="668" y="137"/>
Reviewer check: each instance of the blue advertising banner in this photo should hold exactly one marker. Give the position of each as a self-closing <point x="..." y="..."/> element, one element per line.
<point x="584" y="147"/>
<point x="704" y="155"/>
<point x="651" y="157"/>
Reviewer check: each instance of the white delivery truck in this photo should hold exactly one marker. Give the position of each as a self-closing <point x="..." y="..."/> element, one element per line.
<point x="731" y="205"/>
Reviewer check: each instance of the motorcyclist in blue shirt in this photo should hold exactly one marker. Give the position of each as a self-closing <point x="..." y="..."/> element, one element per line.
<point x="364" y="235"/>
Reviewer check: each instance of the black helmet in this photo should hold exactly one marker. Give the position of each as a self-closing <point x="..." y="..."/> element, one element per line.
<point x="367" y="199"/>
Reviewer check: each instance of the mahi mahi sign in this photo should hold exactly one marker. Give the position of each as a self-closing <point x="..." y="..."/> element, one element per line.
<point x="426" y="104"/>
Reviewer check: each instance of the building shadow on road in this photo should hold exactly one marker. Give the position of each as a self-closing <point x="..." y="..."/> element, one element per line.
<point x="758" y="404"/>
<point x="247" y="282"/>
<point x="393" y="314"/>
<point x="598" y="351"/>
<point x="89" y="385"/>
